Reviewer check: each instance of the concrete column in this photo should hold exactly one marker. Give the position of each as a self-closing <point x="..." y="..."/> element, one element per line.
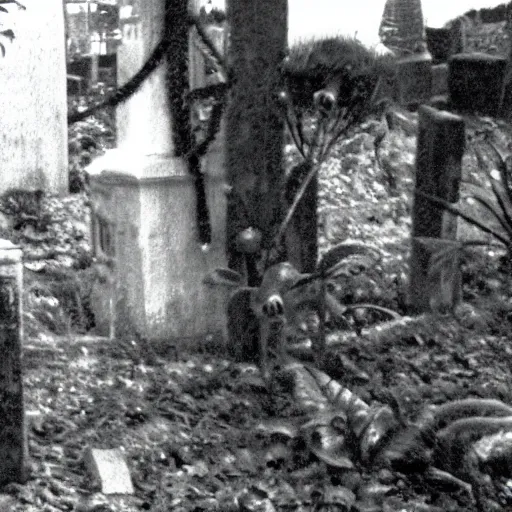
<point x="13" y="446"/>
<point x="33" y="123"/>
<point x="441" y="140"/>
<point x="144" y="216"/>
<point x="143" y="125"/>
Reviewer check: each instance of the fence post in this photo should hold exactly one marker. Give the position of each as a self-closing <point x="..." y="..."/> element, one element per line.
<point x="13" y="446"/>
<point x="441" y="140"/>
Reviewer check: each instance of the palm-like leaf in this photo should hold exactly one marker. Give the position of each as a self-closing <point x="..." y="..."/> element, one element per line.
<point x="494" y="201"/>
<point x="455" y="210"/>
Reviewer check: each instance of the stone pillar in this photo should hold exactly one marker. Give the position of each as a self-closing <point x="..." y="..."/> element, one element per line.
<point x="33" y="123"/>
<point x="13" y="446"/>
<point x="414" y="79"/>
<point x="441" y="139"/>
<point x="143" y="125"/>
<point x="144" y="218"/>
<point x="475" y="82"/>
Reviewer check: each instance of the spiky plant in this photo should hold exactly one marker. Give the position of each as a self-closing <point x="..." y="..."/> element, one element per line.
<point x="330" y="86"/>
<point x="286" y="296"/>
<point x="495" y="200"/>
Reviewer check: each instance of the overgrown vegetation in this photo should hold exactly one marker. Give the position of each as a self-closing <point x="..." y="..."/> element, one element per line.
<point x="88" y="138"/>
<point x="196" y="428"/>
<point x="366" y="431"/>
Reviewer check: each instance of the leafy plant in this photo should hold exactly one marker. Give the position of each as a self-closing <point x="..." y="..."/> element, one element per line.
<point x="286" y="298"/>
<point x="87" y="139"/>
<point x="495" y="202"/>
<point x="25" y="208"/>
<point x="336" y="426"/>
<point x="331" y="85"/>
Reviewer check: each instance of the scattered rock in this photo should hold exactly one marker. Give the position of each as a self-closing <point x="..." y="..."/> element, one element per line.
<point x="108" y="471"/>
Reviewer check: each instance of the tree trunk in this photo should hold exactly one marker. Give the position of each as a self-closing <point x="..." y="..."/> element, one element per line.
<point x="254" y="127"/>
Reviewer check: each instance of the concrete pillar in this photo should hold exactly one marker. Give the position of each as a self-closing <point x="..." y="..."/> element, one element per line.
<point x="13" y="446"/>
<point x="33" y="123"/>
<point x="144" y="219"/>
<point x="441" y="139"/>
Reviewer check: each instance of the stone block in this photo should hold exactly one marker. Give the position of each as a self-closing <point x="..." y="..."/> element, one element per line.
<point x="108" y="471"/>
<point x="439" y="79"/>
<point x="440" y="147"/>
<point x="439" y="43"/>
<point x="145" y="223"/>
<point x="475" y="82"/>
<point x="443" y="42"/>
<point x="414" y="79"/>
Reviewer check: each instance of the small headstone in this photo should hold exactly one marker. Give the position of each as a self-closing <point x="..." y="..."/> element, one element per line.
<point x="441" y="141"/>
<point x="439" y="42"/>
<point x="439" y="79"/>
<point x="109" y="471"/>
<point x="444" y="42"/>
<point x="414" y="79"/>
<point x="475" y="81"/>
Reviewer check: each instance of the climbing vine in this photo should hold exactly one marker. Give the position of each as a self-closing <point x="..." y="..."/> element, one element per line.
<point x="174" y="49"/>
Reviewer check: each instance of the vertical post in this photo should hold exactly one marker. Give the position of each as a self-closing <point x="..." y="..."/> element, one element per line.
<point x="13" y="447"/>
<point x="441" y="140"/>
<point x="505" y="108"/>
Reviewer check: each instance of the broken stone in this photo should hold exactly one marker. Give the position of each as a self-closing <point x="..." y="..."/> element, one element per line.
<point x="108" y="470"/>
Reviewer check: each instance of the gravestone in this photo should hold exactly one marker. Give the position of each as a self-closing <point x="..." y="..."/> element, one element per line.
<point x="444" y="42"/>
<point x="475" y="82"/>
<point x="439" y="79"/>
<point x="144" y="218"/>
<point x="439" y="43"/>
<point x="440" y="147"/>
<point x="414" y="79"/>
<point x="33" y="123"/>
<point x="13" y="444"/>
